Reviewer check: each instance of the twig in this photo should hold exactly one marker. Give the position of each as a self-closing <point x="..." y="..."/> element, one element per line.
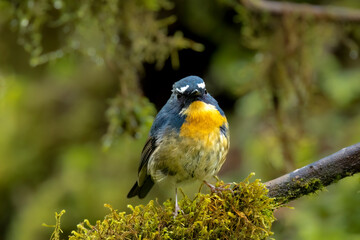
<point x="340" y="14"/>
<point x="317" y="175"/>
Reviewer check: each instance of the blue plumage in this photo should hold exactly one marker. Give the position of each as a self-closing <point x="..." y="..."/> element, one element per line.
<point x="189" y="138"/>
<point x="169" y="116"/>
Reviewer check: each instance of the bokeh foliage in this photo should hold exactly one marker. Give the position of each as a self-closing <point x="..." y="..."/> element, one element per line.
<point x="70" y="73"/>
<point x="123" y="35"/>
<point x="53" y="114"/>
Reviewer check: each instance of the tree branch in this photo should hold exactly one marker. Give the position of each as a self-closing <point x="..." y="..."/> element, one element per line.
<point x="340" y="14"/>
<point x="317" y="175"/>
<point x="245" y="212"/>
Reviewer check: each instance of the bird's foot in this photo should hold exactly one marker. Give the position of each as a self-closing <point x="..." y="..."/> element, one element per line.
<point x="177" y="210"/>
<point x="215" y="189"/>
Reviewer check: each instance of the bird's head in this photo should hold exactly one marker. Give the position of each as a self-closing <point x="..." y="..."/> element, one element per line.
<point x="189" y="88"/>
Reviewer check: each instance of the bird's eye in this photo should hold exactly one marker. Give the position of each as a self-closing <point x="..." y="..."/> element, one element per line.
<point x="206" y="92"/>
<point x="178" y="96"/>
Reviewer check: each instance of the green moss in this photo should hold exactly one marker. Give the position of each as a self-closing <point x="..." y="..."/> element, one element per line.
<point x="56" y="234"/>
<point x="300" y="187"/>
<point x="242" y="212"/>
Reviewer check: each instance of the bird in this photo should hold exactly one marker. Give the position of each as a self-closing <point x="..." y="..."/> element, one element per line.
<point x="188" y="141"/>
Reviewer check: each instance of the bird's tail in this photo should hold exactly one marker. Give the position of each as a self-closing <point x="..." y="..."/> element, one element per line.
<point x="142" y="190"/>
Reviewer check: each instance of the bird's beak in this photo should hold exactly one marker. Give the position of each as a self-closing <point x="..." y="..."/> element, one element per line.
<point x="196" y="93"/>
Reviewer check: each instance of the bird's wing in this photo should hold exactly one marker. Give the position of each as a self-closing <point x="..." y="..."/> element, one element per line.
<point x="225" y="141"/>
<point x="146" y="153"/>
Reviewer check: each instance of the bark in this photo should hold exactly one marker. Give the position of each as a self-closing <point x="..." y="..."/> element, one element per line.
<point x="317" y="175"/>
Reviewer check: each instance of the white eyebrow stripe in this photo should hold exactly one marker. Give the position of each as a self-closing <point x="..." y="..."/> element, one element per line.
<point x="201" y="85"/>
<point x="182" y="89"/>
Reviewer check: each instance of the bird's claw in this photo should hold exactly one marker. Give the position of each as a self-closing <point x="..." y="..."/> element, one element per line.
<point x="177" y="210"/>
<point x="215" y="189"/>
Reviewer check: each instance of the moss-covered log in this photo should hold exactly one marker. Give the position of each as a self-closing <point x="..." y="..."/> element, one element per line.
<point x="242" y="211"/>
<point x="317" y="175"/>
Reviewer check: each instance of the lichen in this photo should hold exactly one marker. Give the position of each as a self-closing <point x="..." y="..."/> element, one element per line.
<point x="239" y="211"/>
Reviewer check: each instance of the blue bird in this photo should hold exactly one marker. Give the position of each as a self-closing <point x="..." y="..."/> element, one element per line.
<point x="188" y="140"/>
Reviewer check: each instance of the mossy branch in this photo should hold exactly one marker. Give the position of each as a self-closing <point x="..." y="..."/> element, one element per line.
<point x="317" y="175"/>
<point x="241" y="211"/>
<point x="337" y="14"/>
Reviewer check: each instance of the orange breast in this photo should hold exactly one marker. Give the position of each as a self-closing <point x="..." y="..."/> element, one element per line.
<point x="202" y="122"/>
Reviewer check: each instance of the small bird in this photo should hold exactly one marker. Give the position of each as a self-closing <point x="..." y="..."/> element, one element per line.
<point x="188" y="140"/>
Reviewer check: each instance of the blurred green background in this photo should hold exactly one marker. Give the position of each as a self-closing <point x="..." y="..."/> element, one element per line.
<point x="80" y="83"/>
